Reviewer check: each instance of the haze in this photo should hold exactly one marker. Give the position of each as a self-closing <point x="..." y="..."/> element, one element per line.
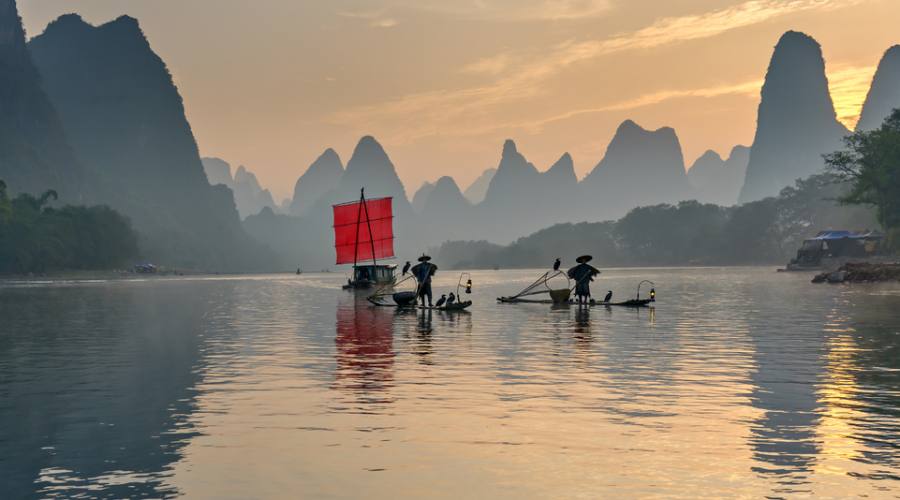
<point x="272" y="84"/>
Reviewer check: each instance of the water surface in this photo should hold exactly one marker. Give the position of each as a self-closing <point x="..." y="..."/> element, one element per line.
<point x="740" y="382"/>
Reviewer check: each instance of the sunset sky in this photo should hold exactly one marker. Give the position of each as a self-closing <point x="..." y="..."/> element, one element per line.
<point x="271" y="83"/>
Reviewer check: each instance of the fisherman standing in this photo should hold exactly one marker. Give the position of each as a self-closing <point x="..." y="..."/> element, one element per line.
<point x="583" y="274"/>
<point x="423" y="271"/>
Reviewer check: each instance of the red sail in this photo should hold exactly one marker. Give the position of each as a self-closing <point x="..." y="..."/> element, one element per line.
<point x="351" y="230"/>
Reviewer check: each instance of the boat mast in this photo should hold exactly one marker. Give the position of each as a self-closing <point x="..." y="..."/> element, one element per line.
<point x="362" y="200"/>
<point x="371" y="236"/>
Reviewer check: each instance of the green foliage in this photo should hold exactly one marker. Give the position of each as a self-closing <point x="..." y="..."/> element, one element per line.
<point x="35" y="237"/>
<point x="690" y="233"/>
<point x="871" y="165"/>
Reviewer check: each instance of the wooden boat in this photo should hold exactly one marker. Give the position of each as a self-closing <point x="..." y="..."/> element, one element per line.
<point x="363" y="230"/>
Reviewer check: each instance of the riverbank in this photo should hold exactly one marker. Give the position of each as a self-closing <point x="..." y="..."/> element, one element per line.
<point x="861" y="272"/>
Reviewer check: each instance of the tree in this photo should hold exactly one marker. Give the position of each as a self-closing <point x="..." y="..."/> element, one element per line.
<point x="871" y="165"/>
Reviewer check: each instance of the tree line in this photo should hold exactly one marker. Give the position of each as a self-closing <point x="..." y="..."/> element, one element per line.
<point x="689" y="233"/>
<point x="36" y="237"/>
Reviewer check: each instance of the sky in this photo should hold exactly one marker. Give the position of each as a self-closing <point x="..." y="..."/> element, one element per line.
<point x="270" y="84"/>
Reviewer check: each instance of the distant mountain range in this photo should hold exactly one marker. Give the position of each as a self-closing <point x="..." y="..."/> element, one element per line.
<point x="797" y="124"/>
<point x="93" y="113"/>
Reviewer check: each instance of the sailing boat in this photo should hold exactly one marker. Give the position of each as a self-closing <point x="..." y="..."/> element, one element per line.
<point x="363" y="231"/>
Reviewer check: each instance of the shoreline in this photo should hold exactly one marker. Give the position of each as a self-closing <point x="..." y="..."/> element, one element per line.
<point x="862" y="272"/>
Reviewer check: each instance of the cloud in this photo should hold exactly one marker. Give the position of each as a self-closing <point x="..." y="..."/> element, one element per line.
<point x="511" y="10"/>
<point x="493" y="65"/>
<point x="383" y="23"/>
<point x="439" y="112"/>
<point x="377" y="18"/>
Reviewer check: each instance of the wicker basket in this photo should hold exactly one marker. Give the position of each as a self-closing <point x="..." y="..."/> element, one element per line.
<point x="560" y="296"/>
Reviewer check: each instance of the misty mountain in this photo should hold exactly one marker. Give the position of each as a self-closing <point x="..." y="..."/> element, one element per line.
<point x="218" y="171"/>
<point x="719" y="181"/>
<point x="884" y="94"/>
<point x="370" y="167"/>
<point x="308" y="240"/>
<point x="640" y="167"/>
<point x="126" y="122"/>
<point x="476" y="191"/>
<point x="796" y="121"/>
<point x="446" y="214"/>
<point x="34" y="152"/>
<point x="521" y="199"/>
<point x="421" y="196"/>
<point x="249" y="196"/>
<point x="321" y="177"/>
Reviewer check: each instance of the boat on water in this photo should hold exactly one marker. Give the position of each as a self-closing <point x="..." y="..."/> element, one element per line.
<point x="363" y="231"/>
<point x="406" y="299"/>
<point x="551" y="284"/>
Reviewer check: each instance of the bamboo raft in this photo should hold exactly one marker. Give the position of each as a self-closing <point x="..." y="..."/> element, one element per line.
<point x="626" y="303"/>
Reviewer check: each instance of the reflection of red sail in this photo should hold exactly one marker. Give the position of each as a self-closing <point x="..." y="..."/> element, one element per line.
<point x="353" y="240"/>
<point x="365" y="346"/>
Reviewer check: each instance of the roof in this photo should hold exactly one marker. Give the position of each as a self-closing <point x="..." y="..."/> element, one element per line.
<point x="853" y="235"/>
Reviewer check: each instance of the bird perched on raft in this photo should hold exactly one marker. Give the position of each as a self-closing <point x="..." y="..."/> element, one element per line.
<point x="405" y="268"/>
<point x="441" y="301"/>
<point x="608" y="296"/>
<point x="556" y="264"/>
<point x="451" y="299"/>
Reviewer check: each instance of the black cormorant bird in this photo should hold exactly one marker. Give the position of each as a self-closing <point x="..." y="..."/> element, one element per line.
<point x="451" y="299"/>
<point x="608" y="296"/>
<point x="556" y="264"/>
<point x="405" y="268"/>
<point x="440" y="301"/>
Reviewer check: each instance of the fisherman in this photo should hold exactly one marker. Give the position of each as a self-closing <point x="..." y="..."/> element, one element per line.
<point x="423" y="271"/>
<point x="583" y="274"/>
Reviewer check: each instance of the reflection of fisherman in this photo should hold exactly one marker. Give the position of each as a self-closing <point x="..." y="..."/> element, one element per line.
<point x="423" y="271"/>
<point x="583" y="274"/>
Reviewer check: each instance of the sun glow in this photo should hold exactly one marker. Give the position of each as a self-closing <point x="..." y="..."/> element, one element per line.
<point x="849" y="87"/>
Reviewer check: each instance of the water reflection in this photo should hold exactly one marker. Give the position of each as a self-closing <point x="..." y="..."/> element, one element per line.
<point x="97" y="385"/>
<point x="364" y="337"/>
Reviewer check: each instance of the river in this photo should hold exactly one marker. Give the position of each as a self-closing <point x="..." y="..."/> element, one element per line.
<point x="739" y="382"/>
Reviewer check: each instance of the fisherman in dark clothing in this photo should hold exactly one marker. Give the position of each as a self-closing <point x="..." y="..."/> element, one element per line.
<point x="423" y="271"/>
<point x="583" y="274"/>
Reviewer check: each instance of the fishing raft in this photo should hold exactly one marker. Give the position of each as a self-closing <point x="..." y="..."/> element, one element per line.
<point x="561" y="296"/>
<point x="407" y="299"/>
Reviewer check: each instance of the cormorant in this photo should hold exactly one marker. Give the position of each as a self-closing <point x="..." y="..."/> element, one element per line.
<point x="451" y="299"/>
<point x="556" y="264"/>
<point x="608" y="296"/>
<point x="405" y="268"/>
<point x="441" y="301"/>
